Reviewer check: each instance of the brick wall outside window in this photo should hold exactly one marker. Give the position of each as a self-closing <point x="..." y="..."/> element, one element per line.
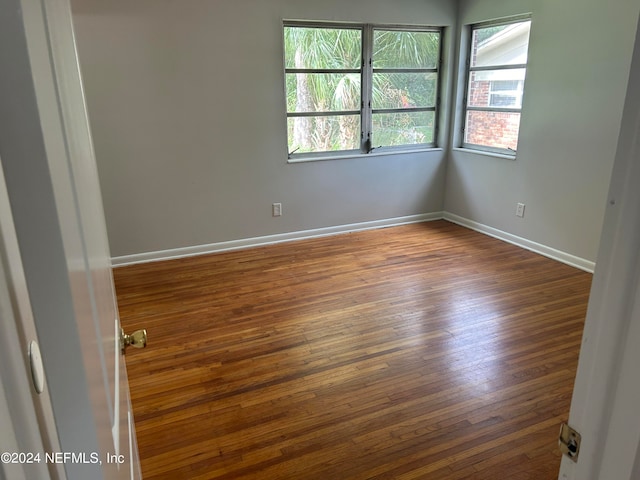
<point x="499" y="129"/>
<point x="490" y="128"/>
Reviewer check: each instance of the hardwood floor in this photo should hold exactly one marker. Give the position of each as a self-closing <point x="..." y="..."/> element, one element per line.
<point x="425" y="351"/>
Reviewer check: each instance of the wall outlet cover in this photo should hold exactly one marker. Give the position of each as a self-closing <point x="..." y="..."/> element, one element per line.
<point x="276" y="209"/>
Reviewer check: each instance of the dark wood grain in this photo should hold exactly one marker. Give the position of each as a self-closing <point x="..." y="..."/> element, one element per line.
<point x="424" y="351"/>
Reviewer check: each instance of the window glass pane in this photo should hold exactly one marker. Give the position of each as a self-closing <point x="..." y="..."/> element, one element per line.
<point x="397" y="49"/>
<point x="492" y="129"/>
<point x="504" y="85"/>
<point x="496" y="88"/>
<point x="322" y="92"/>
<point x="404" y="90"/>
<point x="500" y="45"/>
<point x="505" y="93"/>
<point x="323" y="134"/>
<point x="403" y="128"/>
<point x="320" y="48"/>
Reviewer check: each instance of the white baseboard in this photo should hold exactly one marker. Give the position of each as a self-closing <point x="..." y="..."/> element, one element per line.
<point x="558" y="255"/>
<point x="581" y="263"/>
<point x="269" y="240"/>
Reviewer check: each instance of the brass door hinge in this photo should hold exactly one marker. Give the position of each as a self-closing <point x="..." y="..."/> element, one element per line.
<point x="569" y="441"/>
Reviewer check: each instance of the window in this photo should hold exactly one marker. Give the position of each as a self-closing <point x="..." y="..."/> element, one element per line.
<point x="506" y="93"/>
<point x="496" y="72"/>
<point x="356" y="88"/>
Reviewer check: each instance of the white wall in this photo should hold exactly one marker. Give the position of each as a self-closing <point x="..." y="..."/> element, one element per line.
<point x="186" y="102"/>
<point x="187" y="108"/>
<point x="579" y="59"/>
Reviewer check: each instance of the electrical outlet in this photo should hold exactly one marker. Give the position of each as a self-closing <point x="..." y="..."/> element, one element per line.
<point x="520" y="210"/>
<point x="276" y="209"/>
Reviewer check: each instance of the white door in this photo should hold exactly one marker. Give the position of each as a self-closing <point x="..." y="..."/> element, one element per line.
<point x="51" y="180"/>
<point x="604" y="407"/>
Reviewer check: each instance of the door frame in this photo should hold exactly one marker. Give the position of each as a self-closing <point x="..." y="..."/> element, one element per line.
<point x="26" y="417"/>
<point x="43" y="131"/>
<point x="35" y="217"/>
<point x="606" y="394"/>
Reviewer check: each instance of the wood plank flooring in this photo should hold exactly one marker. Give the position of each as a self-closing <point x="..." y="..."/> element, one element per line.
<point x="424" y="351"/>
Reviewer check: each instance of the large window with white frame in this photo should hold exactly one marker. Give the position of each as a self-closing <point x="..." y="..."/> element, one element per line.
<point x="496" y="70"/>
<point x="356" y="88"/>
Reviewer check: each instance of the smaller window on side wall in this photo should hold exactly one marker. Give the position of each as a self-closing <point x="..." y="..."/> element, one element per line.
<point x="496" y="71"/>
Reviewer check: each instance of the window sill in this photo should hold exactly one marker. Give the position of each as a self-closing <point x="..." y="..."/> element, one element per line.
<point x="323" y="158"/>
<point x="485" y="153"/>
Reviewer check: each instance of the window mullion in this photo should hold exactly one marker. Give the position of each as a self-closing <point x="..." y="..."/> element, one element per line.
<point x="490" y="68"/>
<point x="321" y="70"/>
<point x="367" y="87"/>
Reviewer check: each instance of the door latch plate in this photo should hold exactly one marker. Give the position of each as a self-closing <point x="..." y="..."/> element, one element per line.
<point x="569" y="441"/>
